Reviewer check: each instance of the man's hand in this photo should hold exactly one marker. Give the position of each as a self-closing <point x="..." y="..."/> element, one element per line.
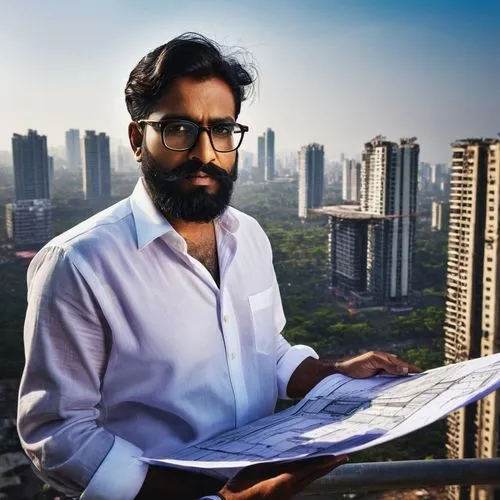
<point x="278" y="481"/>
<point x="373" y="363"/>
<point x="165" y="482"/>
<point x="311" y="371"/>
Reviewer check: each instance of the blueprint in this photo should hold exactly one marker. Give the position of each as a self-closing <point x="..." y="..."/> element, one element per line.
<point x="343" y="415"/>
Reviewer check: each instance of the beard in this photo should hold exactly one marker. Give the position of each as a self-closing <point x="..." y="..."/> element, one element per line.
<point x="193" y="205"/>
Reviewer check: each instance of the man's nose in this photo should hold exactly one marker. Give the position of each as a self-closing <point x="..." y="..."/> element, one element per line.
<point x="203" y="149"/>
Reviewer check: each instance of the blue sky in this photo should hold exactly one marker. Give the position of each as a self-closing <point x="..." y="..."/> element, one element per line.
<point x="334" y="72"/>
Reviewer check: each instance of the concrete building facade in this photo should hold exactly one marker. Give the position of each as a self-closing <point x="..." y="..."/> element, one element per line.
<point x="270" y="173"/>
<point x="472" y="320"/>
<point x="31" y="166"/>
<point x="261" y="157"/>
<point x="440" y="215"/>
<point x="351" y="180"/>
<point x="97" y="168"/>
<point x="73" y="149"/>
<point x="389" y="184"/>
<point x="29" y="223"/>
<point x="311" y="177"/>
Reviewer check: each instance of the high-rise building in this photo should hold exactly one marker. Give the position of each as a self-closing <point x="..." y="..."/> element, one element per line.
<point x="97" y="169"/>
<point x="29" y="223"/>
<point x="347" y="251"/>
<point x="424" y="176"/>
<point x="351" y="180"/>
<point x="440" y="214"/>
<point x="261" y="157"/>
<point x="31" y="166"/>
<point x="125" y="160"/>
<point x="73" y="150"/>
<point x="51" y="175"/>
<point x="472" y="321"/>
<point x="311" y="177"/>
<point x="270" y="155"/>
<point x="389" y="188"/>
<point x="436" y="173"/>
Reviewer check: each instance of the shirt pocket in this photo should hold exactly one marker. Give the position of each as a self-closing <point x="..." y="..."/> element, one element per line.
<point x="262" y="313"/>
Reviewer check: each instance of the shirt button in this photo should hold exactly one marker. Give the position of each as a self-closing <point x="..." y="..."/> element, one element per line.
<point x="233" y="356"/>
<point x="226" y="318"/>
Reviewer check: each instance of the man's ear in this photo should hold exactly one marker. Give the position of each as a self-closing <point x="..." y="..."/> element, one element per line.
<point x="135" y="138"/>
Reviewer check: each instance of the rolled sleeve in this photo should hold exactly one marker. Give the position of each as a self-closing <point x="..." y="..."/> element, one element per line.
<point x="290" y="359"/>
<point x="120" y="476"/>
<point x="59" y="398"/>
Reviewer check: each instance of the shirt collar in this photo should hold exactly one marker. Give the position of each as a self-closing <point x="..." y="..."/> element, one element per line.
<point x="151" y="224"/>
<point x="149" y="221"/>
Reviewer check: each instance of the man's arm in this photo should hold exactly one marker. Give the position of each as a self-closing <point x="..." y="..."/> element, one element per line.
<point x="311" y="371"/>
<point x="66" y="355"/>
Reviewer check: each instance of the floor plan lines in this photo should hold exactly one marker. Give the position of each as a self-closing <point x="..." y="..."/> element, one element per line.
<point x="343" y="415"/>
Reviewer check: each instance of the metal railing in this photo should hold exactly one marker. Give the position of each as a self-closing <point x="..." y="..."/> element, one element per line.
<point x="373" y="476"/>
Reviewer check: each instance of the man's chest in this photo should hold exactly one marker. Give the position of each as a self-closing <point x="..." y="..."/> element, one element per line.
<point x="167" y="290"/>
<point x="205" y="252"/>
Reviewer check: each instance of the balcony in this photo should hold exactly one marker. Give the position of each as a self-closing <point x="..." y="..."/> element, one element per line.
<point x="378" y="476"/>
<point x="358" y="478"/>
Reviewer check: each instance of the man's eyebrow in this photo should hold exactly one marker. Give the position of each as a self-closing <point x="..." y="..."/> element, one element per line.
<point x="222" y="119"/>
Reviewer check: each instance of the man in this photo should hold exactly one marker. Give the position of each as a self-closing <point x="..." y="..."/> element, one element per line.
<point x="156" y="323"/>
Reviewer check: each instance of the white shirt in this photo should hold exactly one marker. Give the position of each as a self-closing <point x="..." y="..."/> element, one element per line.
<point x="132" y="349"/>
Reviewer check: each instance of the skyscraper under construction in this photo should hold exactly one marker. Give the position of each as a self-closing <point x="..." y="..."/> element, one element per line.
<point x="472" y="322"/>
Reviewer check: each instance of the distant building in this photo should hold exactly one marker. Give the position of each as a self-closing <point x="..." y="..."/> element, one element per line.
<point x="245" y="160"/>
<point x="311" y="177"/>
<point x="31" y="166"/>
<point x="270" y="155"/>
<point x="97" y="168"/>
<point x="29" y="223"/>
<point x="51" y="175"/>
<point x="371" y="244"/>
<point x="73" y="150"/>
<point x="261" y="157"/>
<point x="5" y="159"/>
<point x="472" y="320"/>
<point x="389" y="181"/>
<point x="436" y="173"/>
<point x="351" y="180"/>
<point x="440" y="214"/>
<point x="125" y="160"/>
<point x="347" y="250"/>
<point x="424" y="176"/>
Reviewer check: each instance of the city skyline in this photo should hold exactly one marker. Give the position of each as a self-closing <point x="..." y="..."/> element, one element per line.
<point x="356" y="70"/>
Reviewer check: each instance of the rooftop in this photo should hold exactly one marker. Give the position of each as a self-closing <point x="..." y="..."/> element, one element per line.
<point x="348" y="212"/>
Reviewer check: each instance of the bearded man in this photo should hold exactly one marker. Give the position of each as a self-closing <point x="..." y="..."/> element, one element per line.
<point x="157" y="323"/>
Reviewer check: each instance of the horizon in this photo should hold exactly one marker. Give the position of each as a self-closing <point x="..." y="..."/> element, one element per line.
<point x="357" y="70"/>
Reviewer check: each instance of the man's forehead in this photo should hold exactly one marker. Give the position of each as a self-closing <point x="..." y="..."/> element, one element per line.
<point x="210" y="98"/>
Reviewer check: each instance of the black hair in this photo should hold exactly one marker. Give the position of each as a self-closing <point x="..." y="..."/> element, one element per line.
<point x="192" y="55"/>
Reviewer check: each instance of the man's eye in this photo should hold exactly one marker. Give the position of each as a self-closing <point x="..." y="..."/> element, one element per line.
<point x="177" y="128"/>
<point x="223" y="129"/>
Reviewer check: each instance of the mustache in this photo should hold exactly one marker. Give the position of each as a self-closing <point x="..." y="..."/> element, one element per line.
<point x="191" y="167"/>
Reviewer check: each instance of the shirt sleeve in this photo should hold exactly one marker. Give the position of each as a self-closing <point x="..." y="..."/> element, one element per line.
<point x="66" y="339"/>
<point x="288" y="357"/>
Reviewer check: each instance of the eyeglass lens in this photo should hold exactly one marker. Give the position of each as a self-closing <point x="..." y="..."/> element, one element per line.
<point x="182" y="136"/>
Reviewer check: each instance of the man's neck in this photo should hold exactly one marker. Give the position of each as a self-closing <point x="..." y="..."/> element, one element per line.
<point x="192" y="231"/>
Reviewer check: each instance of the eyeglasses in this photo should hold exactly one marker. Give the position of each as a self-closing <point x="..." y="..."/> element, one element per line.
<point x="182" y="135"/>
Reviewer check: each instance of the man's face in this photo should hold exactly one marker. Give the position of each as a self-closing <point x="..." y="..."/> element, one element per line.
<point x="194" y="185"/>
